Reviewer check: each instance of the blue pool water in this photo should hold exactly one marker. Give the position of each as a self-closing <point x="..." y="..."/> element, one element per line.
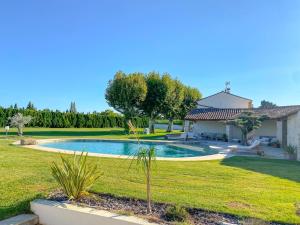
<point x="127" y="148"/>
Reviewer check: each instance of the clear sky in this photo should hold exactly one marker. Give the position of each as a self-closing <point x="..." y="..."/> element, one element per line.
<point x="53" y="52"/>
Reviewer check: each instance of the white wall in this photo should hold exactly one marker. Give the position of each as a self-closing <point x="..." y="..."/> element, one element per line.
<point x="224" y="100"/>
<point x="209" y="126"/>
<point x="279" y="131"/>
<point x="165" y="126"/>
<point x="268" y="128"/>
<point x="233" y="132"/>
<point x="55" y="213"/>
<point x="293" y="130"/>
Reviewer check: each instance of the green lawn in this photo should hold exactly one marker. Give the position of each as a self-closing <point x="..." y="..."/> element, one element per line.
<point x="266" y="189"/>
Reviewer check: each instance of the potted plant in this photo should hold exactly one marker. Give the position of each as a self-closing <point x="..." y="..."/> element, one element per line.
<point x="291" y="152"/>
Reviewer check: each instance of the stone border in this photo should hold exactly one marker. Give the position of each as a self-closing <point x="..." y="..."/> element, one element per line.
<point x="224" y="153"/>
<point x="23" y="219"/>
<point x="56" y="213"/>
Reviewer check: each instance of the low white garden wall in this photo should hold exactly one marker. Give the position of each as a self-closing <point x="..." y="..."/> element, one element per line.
<point x="165" y="126"/>
<point x="55" y="213"/>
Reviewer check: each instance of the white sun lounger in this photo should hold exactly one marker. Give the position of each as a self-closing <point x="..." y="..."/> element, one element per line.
<point x="185" y="135"/>
<point x="254" y="145"/>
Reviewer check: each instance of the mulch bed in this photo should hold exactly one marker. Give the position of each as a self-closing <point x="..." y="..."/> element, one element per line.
<point x="137" y="207"/>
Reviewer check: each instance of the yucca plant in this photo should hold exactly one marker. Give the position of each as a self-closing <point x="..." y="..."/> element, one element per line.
<point x="75" y="176"/>
<point x="291" y="151"/>
<point x="144" y="158"/>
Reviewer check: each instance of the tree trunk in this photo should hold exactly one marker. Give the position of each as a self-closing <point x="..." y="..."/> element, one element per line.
<point x="149" y="210"/>
<point x="20" y="131"/>
<point x="170" y="125"/>
<point x="151" y="125"/>
<point x="244" y="138"/>
<point x="126" y="127"/>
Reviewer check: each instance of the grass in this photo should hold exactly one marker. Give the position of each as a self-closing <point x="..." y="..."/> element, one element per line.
<point x="244" y="186"/>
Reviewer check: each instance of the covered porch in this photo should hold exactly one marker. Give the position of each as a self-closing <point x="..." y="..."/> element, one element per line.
<point x="270" y="129"/>
<point x="282" y="125"/>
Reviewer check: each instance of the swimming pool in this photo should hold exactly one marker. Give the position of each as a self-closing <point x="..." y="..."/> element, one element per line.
<point x="127" y="148"/>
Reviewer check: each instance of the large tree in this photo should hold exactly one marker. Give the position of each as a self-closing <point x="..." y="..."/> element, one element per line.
<point x="126" y="93"/>
<point x="73" y="108"/>
<point x="191" y="96"/>
<point x="266" y="104"/>
<point x="156" y="94"/>
<point x="30" y="106"/>
<point x="173" y="100"/>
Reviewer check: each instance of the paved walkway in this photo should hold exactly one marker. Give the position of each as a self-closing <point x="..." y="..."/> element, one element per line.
<point x="270" y="152"/>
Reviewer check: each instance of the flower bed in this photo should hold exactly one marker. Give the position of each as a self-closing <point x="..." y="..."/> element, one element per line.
<point x="137" y="207"/>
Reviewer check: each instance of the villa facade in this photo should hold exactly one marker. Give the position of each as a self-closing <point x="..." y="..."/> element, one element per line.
<point x="212" y="112"/>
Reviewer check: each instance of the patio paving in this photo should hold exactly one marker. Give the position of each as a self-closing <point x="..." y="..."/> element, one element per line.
<point x="223" y="147"/>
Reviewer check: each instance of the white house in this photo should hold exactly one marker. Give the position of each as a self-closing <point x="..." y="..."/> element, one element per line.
<point x="212" y="112"/>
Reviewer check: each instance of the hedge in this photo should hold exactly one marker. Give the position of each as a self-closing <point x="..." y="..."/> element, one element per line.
<point x="57" y="119"/>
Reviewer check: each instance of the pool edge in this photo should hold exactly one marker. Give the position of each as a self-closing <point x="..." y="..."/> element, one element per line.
<point x="56" y="150"/>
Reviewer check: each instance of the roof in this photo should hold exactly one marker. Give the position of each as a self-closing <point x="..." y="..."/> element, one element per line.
<point x="227" y="114"/>
<point x="228" y="94"/>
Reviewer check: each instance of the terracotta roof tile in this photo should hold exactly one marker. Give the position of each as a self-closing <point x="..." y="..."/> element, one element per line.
<point x="226" y="114"/>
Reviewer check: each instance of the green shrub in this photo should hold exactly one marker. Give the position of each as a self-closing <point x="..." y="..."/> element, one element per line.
<point x="75" y="176"/>
<point x="176" y="213"/>
<point x="57" y="119"/>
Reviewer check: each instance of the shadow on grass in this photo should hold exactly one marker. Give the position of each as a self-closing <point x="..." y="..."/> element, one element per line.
<point x="17" y="208"/>
<point x="275" y="167"/>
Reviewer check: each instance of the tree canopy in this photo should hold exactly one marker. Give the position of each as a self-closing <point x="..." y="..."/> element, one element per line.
<point x="151" y="94"/>
<point x="126" y="93"/>
<point x="173" y="100"/>
<point x="191" y="96"/>
<point x="30" y="106"/>
<point x="267" y="105"/>
<point x="73" y="108"/>
<point x="155" y="98"/>
<point x="247" y="122"/>
<point x="20" y="121"/>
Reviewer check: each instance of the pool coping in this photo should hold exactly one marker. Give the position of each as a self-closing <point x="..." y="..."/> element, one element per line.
<point x="181" y="144"/>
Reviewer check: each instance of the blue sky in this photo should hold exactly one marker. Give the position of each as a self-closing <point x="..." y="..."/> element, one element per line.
<point x="53" y="52"/>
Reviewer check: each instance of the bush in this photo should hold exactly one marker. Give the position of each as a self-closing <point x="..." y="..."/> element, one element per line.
<point x="75" y="176"/>
<point x="176" y="213"/>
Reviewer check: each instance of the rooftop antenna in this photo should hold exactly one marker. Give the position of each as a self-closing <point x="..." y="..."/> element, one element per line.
<point x="227" y="86"/>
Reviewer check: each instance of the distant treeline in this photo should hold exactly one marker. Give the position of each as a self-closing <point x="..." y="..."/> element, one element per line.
<point x="58" y="119"/>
